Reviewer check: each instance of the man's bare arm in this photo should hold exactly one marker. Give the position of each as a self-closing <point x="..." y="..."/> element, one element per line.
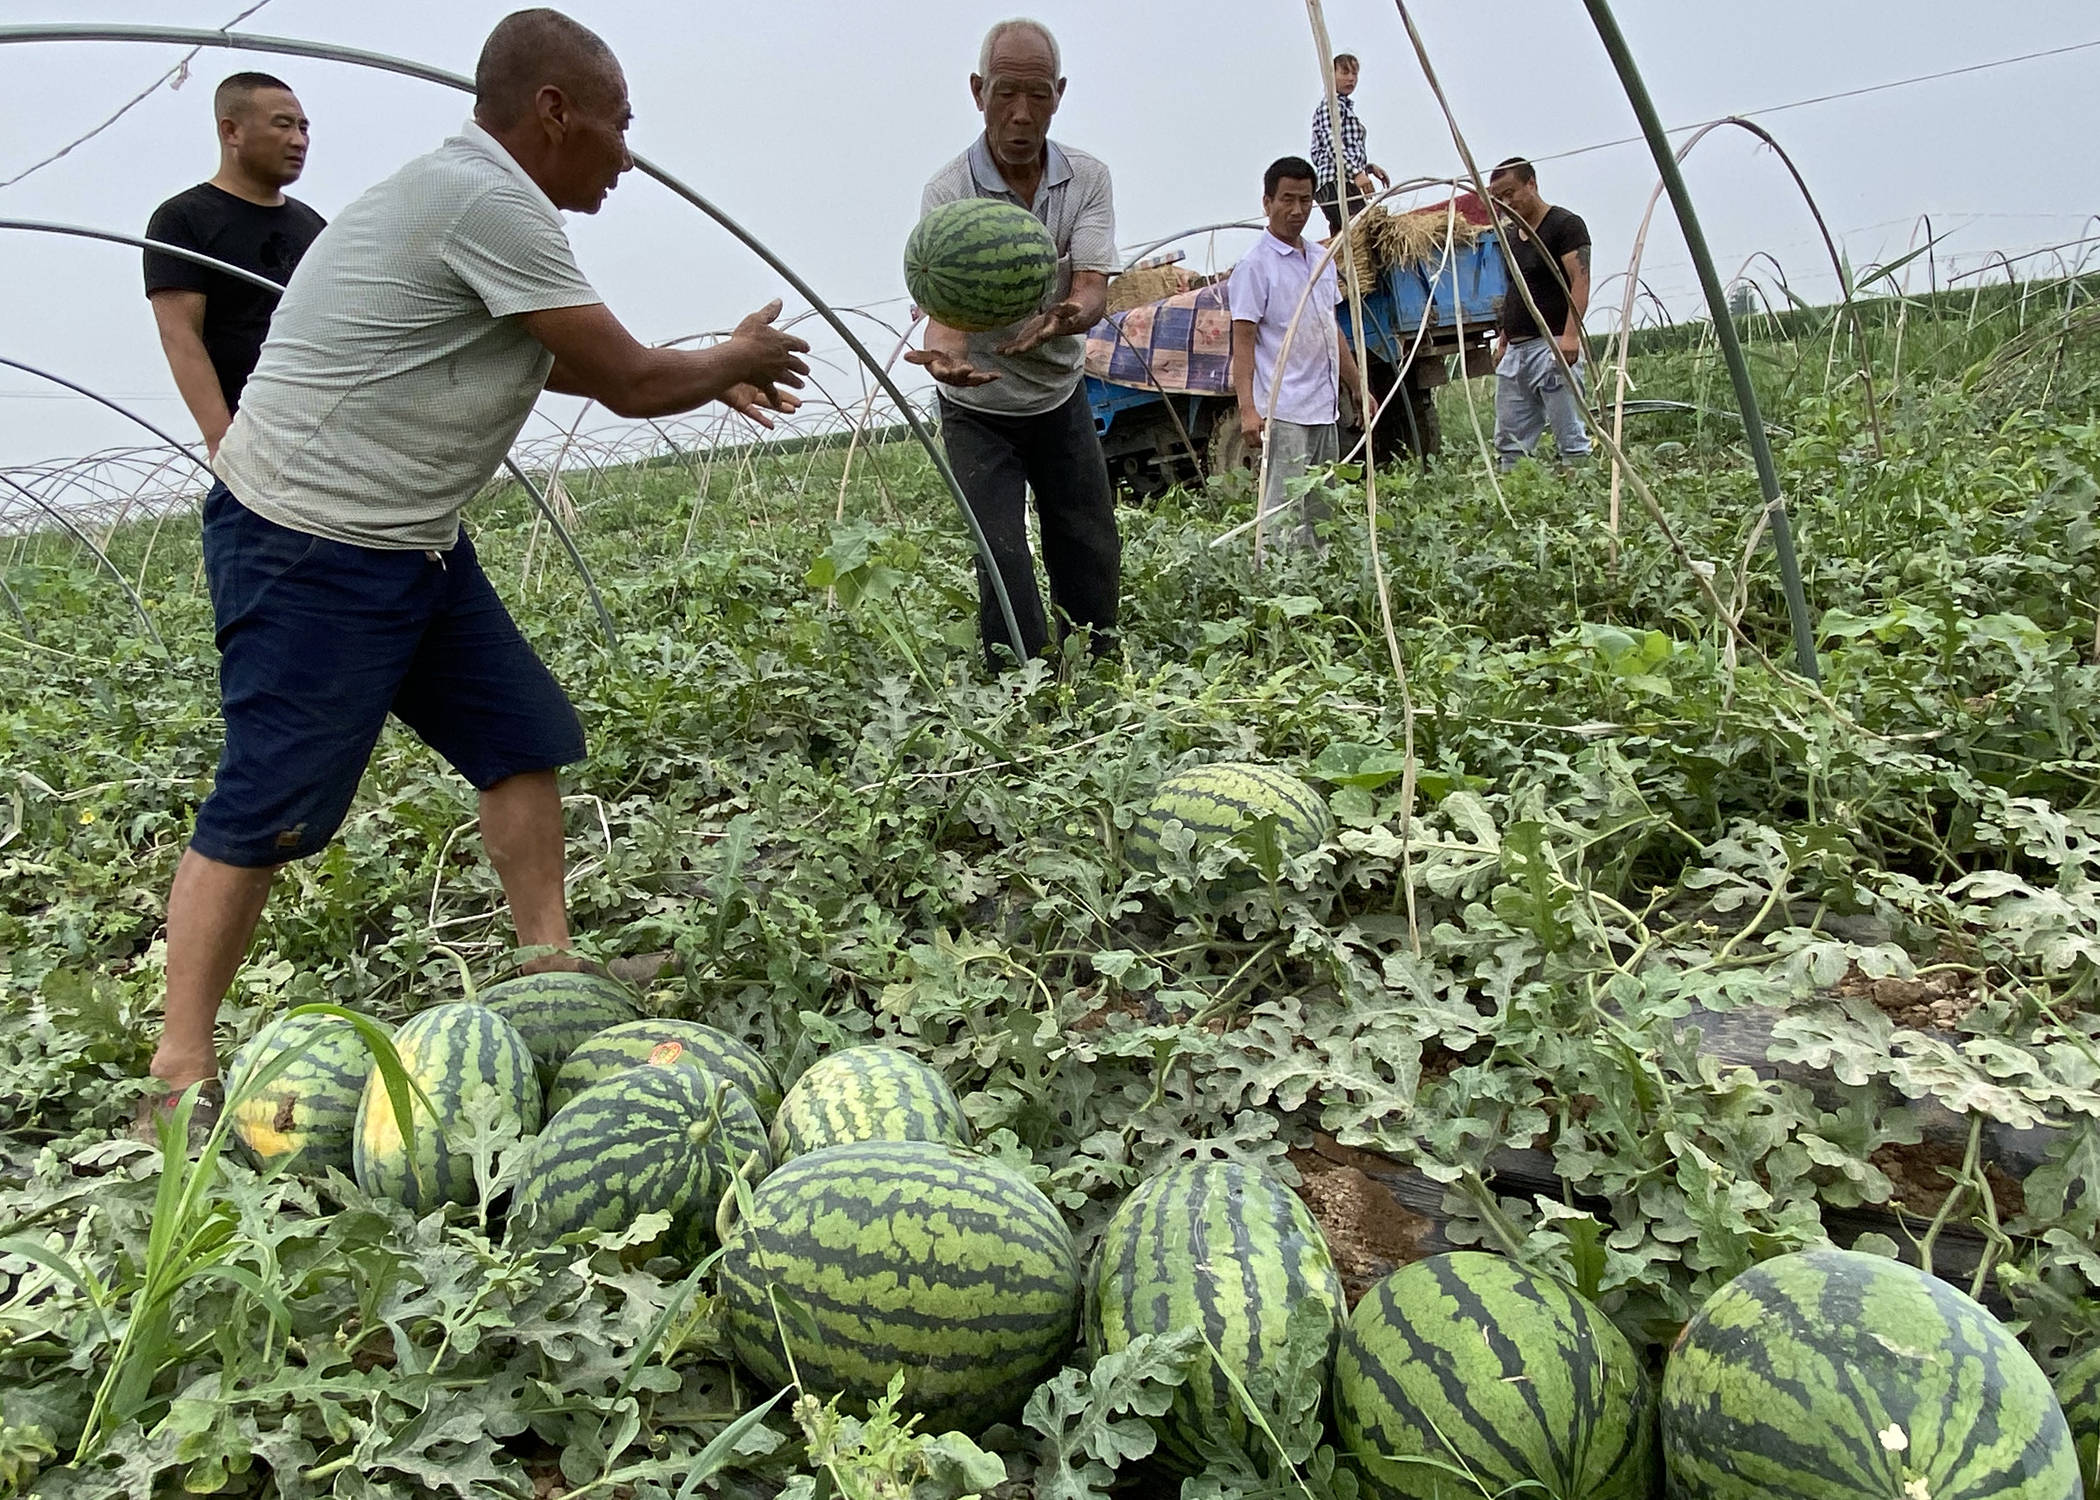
<point x="1351" y="380"/>
<point x="1243" y="380"/>
<point x="1084" y="306"/>
<point x="179" y="315"/>
<point x="595" y="356"/>
<point x="1576" y="263"/>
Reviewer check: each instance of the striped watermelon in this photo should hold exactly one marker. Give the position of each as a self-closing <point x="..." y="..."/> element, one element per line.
<point x="305" y="1117"/>
<point x="635" y="1143"/>
<point x="1216" y="1246"/>
<point x="736" y="1145"/>
<point x="454" y="1053"/>
<point x="908" y="1256"/>
<point x="557" y="1012"/>
<point x="1214" y="802"/>
<point x="867" y="1094"/>
<point x="980" y="263"/>
<point x="1474" y="1362"/>
<point x="1832" y="1374"/>
<point x="630" y="1043"/>
<point x="2078" y="1388"/>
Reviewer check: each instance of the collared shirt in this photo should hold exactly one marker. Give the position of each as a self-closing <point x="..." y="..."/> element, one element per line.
<point x="1076" y="204"/>
<point x="1266" y="291"/>
<point x="1354" y="151"/>
<point x="397" y="372"/>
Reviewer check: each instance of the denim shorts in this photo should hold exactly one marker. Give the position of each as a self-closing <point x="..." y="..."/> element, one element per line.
<point x="318" y="641"/>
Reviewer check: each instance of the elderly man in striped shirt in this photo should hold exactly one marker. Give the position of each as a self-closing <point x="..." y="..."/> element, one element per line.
<point x="1356" y="167"/>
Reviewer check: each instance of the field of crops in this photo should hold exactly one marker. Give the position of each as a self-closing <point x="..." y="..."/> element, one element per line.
<point x="1598" y="828"/>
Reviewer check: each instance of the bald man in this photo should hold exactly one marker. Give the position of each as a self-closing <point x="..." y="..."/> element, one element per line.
<point x="1014" y="417"/>
<point x="408" y="351"/>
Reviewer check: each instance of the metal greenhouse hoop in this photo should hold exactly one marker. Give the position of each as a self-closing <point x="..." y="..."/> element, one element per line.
<point x="193" y="36"/>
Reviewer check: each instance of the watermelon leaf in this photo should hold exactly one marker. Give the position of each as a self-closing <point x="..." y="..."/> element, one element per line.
<point x="1092" y="1422"/>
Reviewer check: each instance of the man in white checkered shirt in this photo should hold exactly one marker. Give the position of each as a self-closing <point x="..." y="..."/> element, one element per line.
<point x="1359" y="171"/>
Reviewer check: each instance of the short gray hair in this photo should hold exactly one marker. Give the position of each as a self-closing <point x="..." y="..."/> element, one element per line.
<point x="993" y="37"/>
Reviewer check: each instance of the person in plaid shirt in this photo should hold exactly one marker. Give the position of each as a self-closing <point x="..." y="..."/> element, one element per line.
<point x="1357" y="168"/>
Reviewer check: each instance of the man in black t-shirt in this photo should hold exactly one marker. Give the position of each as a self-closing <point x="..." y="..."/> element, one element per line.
<point x="211" y="324"/>
<point x="1552" y="250"/>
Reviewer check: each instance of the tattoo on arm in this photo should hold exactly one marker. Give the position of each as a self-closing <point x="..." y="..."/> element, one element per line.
<point x="1582" y="255"/>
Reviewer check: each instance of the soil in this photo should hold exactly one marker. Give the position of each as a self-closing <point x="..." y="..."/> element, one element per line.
<point x="1935" y="1003"/>
<point x="1921" y="1177"/>
<point x="1370" y="1234"/>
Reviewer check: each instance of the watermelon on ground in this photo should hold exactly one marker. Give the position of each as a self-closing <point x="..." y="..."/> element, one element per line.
<point x="455" y="1053"/>
<point x="980" y="263"/>
<point x="2078" y="1388"/>
<point x="1485" y="1368"/>
<point x="637" y="1142"/>
<point x="1830" y="1375"/>
<point x="903" y="1256"/>
<point x="305" y="1118"/>
<point x="1216" y="801"/>
<point x="1216" y="1246"/>
<point x="632" y="1042"/>
<point x="867" y="1094"/>
<point x="557" y="1012"/>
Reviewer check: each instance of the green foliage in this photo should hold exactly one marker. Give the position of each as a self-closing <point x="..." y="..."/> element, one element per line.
<point x="1619" y="820"/>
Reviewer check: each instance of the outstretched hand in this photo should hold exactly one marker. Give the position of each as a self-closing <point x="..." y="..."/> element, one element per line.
<point x="750" y="401"/>
<point x="1068" y="317"/>
<point x="768" y="358"/>
<point x="950" y="369"/>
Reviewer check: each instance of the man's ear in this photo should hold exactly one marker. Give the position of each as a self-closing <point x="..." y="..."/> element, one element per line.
<point x="552" y="107"/>
<point x="977" y="91"/>
<point x="229" y="132"/>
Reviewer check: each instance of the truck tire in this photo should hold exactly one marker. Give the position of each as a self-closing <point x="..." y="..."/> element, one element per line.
<point x="1227" y="448"/>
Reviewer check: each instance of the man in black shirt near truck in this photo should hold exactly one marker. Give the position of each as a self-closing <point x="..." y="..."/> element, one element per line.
<point x="1551" y="248"/>
<point x="211" y="324"/>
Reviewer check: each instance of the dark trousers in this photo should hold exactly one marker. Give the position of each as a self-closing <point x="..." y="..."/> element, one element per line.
<point x="1324" y="195"/>
<point x="1057" y="454"/>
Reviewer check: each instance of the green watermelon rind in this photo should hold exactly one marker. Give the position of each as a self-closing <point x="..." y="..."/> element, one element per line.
<point x="449" y="1051"/>
<point x="635" y="1143"/>
<point x="909" y="1256"/>
<point x="629" y="1044"/>
<point x="557" y="1011"/>
<point x="1216" y="801"/>
<point x="1221" y="1247"/>
<point x="1836" y="1373"/>
<point x="2078" y="1392"/>
<point x="305" y="1119"/>
<point x="1476" y="1363"/>
<point x="870" y="1093"/>
<point x="979" y="264"/>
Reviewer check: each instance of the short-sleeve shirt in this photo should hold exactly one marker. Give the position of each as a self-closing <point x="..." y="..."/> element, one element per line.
<point x="397" y="372"/>
<point x="1077" y="206"/>
<point x="1266" y="288"/>
<point x="1560" y="234"/>
<point x="268" y="239"/>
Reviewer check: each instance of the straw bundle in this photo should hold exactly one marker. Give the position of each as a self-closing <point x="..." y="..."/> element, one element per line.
<point x="1148" y="284"/>
<point x="1381" y="240"/>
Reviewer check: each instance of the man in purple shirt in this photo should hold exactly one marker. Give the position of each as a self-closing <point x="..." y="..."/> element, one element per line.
<point x="1292" y="392"/>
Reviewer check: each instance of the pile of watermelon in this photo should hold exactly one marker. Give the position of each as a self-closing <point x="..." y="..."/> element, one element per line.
<point x="862" y="1237"/>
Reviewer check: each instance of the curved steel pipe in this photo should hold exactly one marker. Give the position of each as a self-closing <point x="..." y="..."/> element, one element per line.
<point x="359" y="57"/>
<point x="81" y="231"/>
<point x="88" y="542"/>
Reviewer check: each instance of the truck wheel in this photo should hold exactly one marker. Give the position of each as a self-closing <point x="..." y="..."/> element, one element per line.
<point x="1227" y="446"/>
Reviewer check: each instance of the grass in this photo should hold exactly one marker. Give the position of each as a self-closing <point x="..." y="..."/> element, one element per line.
<point x="801" y="783"/>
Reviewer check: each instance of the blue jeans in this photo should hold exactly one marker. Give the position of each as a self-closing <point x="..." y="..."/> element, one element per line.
<point x="1530" y="393"/>
<point x="320" y="640"/>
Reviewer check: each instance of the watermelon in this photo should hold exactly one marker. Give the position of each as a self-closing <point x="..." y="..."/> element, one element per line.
<point x="1214" y="802"/>
<point x="632" y="1042"/>
<point x="1220" y="1247"/>
<point x="1833" y="1374"/>
<point x="736" y="1145"/>
<point x="454" y="1053"/>
<point x="911" y="1256"/>
<point x="637" y="1142"/>
<point x="1485" y="1368"/>
<point x="2078" y="1388"/>
<point x="980" y="263"/>
<point x="306" y="1117"/>
<point x="867" y="1094"/>
<point x="557" y="1012"/>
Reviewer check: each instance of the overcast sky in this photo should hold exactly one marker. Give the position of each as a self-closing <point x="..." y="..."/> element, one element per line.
<point x="815" y="122"/>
